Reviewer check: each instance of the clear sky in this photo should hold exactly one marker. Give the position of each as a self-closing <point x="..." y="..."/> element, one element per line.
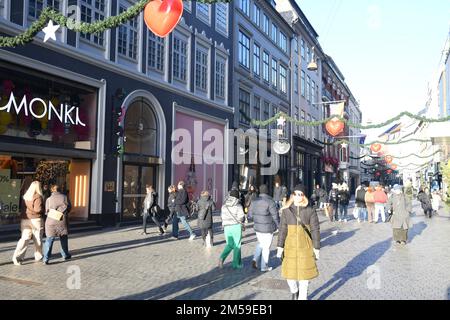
<point x="386" y="49"/>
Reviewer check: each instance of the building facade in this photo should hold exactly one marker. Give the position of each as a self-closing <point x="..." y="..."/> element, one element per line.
<point x="261" y="85"/>
<point x="74" y="88"/>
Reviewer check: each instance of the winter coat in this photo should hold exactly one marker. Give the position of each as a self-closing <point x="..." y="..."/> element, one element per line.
<point x="232" y="212"/>
<point x="150" y="201"/>
<point x="299" y="260"/>
<point x="425" y="200"/>
<point x="284" y="192"/>
<point x="380" y="197"/>
<point x="322" y="196"/>
<point x="59" y="202"/>
<point x="369" y="198"/>
<point x="205" y="212"/>
<point x="32" y="209"/>
<point x="343" y="197"/>
<point x="333" y="196"/>
<point x="264" y="212"/>
<point x="360" y="200"/>
<point x="277" y="194"/>
<point x="181" y="201"/>
<point x="171" y="202"/>
<point x="400" y="207"/>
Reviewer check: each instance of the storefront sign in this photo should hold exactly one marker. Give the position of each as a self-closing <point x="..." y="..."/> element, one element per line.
<point x="109" y="186"/>
<point x="46" y="109"/>
<point x="9" y="193"/>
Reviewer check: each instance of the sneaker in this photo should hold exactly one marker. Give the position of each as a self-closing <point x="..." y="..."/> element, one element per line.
<point x="16" y="262"/>
<point x="266" y="269"/>
<point x="345" y="220"/>
<point x="44" y="262"/>
<point x="254" y="265"/>
<point x="68" y="258"/>
<point x="403" y="243"/>
<point x="161" y="231"/>
<point x="192" y="237"/>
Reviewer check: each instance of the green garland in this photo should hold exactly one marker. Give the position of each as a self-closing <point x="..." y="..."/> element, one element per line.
<point x="95" y="27"/>
<point x="398" y="158"/>
<point x="347" y="122"/>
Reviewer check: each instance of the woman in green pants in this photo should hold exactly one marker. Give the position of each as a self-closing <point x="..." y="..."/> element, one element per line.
<point x="232" y="221"/>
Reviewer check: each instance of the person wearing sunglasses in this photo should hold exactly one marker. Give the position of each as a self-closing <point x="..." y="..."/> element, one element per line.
<point x="299" y="243"/>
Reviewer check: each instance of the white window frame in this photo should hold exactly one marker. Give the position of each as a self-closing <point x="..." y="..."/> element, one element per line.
<point x="157" y="42"/>
<point x="266" y="24"/>
<point x="44" y="5"/>
<point x="266" y="54"/>
<point x="242" y="120"/>
<point x="283" y="80"/>
<point x="274" y="78"/>
<point x="187" y="5"/>
<point x="244" y="6"/>
<point x="242" y="47"/>
<point x="225" y="64"/>
<point x="219" y="28"/>
<point x="283" y="42"/>
<point x="105" y="15"/>
<point x="207" y="50"/>
<point x="274" y="32"/>
<point x="256" y="19"/>
<point x="254" y="58"/>
<point x="201" y="16"/>
<point x="186" y="39"/>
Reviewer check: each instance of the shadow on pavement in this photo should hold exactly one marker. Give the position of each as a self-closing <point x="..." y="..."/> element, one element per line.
<point x="416" y="230"/>
<point x="332" y="240"/>
<point x="202" y="286"/>
<point x="353" y="269"/>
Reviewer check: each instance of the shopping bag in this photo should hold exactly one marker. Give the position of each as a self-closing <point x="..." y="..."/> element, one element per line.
<point x="356" y="212"/>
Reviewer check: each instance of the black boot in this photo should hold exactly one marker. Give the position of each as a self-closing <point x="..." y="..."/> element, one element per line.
<point x="294" y="296"/>
<point x="161" y="231"/>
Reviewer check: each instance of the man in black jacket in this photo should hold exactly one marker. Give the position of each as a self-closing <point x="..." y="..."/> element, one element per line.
<point x="264" y="212"/>
<point x="181" y="210"/>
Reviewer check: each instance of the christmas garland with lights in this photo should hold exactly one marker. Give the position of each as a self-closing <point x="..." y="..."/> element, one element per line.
<point x="95" y="27"/>
<point x="403" y="157"/>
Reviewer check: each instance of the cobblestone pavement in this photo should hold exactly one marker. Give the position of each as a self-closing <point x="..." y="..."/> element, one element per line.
<point x="359" y="262"/>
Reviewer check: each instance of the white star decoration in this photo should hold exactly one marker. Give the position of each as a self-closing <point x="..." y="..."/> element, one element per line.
<point x="281" y="121"/>
<point x="50" y="30"/>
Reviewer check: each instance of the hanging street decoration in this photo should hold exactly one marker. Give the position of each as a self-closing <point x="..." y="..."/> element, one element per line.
<point x="335" y="126"/>
<point x="162" y="16"/>
<point x="376" y="147"/>
<point x="394" y="166"/>
<point x="389" y="171"/>
<point x="282" y="145"/>
<point x="50" y="30"/>
<point x="388" y="159"/>
<point x="163" y="21"/>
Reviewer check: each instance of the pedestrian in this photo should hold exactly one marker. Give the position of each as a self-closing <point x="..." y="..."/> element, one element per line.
<point x="400" y="207"/>
<point x="251" y="195"/>
<point x="181" y="201"/>
<point x="232" y="215"/>
<point x="31" y="223"/>
<point x="55" y="227"/>
<point x="425" y="199"/>
<point x="334" y="201"/>
<point x="151" y="209"/>
<point x="171" y="205"/>
<point x="360" y="203"/>
<point x="264" y="213"/>
<point x="380" y="198"/>
<point x="436" y="200"/>
<point x="299" y="244"/>
<point x="343" y="200"/>
<point x="206" y="207"/>
<point x="277" y="197"/>
<point x="323" y="198"/>
<point x="370" y="204"/>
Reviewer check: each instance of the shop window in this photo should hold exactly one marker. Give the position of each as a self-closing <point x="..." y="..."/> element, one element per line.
<point x="141" y="130"/>
<point x="40" y="107"/>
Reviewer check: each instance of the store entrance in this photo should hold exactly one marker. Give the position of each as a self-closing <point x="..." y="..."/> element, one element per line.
<point x="135" y="178"/>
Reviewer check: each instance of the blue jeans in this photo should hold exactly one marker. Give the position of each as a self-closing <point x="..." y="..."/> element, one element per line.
<point x="175" y="225"/>
<point x="48" y="245"/>
<point x="362" y="214"/>
<point x="343" y="211"/>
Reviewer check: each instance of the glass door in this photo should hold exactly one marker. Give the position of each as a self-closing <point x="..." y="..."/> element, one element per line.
<point x="135" y="179"/>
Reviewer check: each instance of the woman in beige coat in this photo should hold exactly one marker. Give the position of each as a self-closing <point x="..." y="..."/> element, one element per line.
<point x="31" y="224"/>
<point x="370" y="204"/>
<point x="299" y="243"/>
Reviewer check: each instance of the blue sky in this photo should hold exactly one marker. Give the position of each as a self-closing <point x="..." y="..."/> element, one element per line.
<point x="386" y="49"/>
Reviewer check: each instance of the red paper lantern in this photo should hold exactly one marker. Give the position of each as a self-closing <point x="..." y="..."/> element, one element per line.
<point x="388" y="159"/>
<point x="335" y="127"/>
<point x="376" y="147"/>
<point x="394" y="167"/>
<point x="162" y="16"/>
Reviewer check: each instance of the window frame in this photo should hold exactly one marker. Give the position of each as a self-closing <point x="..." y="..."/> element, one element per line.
<point x="241" y="51"/>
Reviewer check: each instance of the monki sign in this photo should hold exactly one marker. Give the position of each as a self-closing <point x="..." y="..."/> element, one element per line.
<point x="64" y="114"/>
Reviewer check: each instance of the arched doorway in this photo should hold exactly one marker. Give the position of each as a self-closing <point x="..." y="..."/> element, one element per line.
<point x="144" y="148"/>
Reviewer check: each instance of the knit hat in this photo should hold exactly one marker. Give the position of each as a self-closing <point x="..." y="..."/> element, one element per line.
<point x="300" y="187"/>
<point x="234" y="194"/>
<point x="263" y="189"/>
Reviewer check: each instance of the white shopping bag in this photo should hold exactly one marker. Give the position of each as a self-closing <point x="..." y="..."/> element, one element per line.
<point x="355" y="212"/>
<point x="208" y="240"/>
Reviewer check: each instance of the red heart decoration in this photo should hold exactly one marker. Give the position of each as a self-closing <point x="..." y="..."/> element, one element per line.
<point x="394" y="167"/>
<point x="335" y="127"/>
<point x="388" y="159"/>
<point x="375" y="147"/>
<point x="162" y="16"/>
